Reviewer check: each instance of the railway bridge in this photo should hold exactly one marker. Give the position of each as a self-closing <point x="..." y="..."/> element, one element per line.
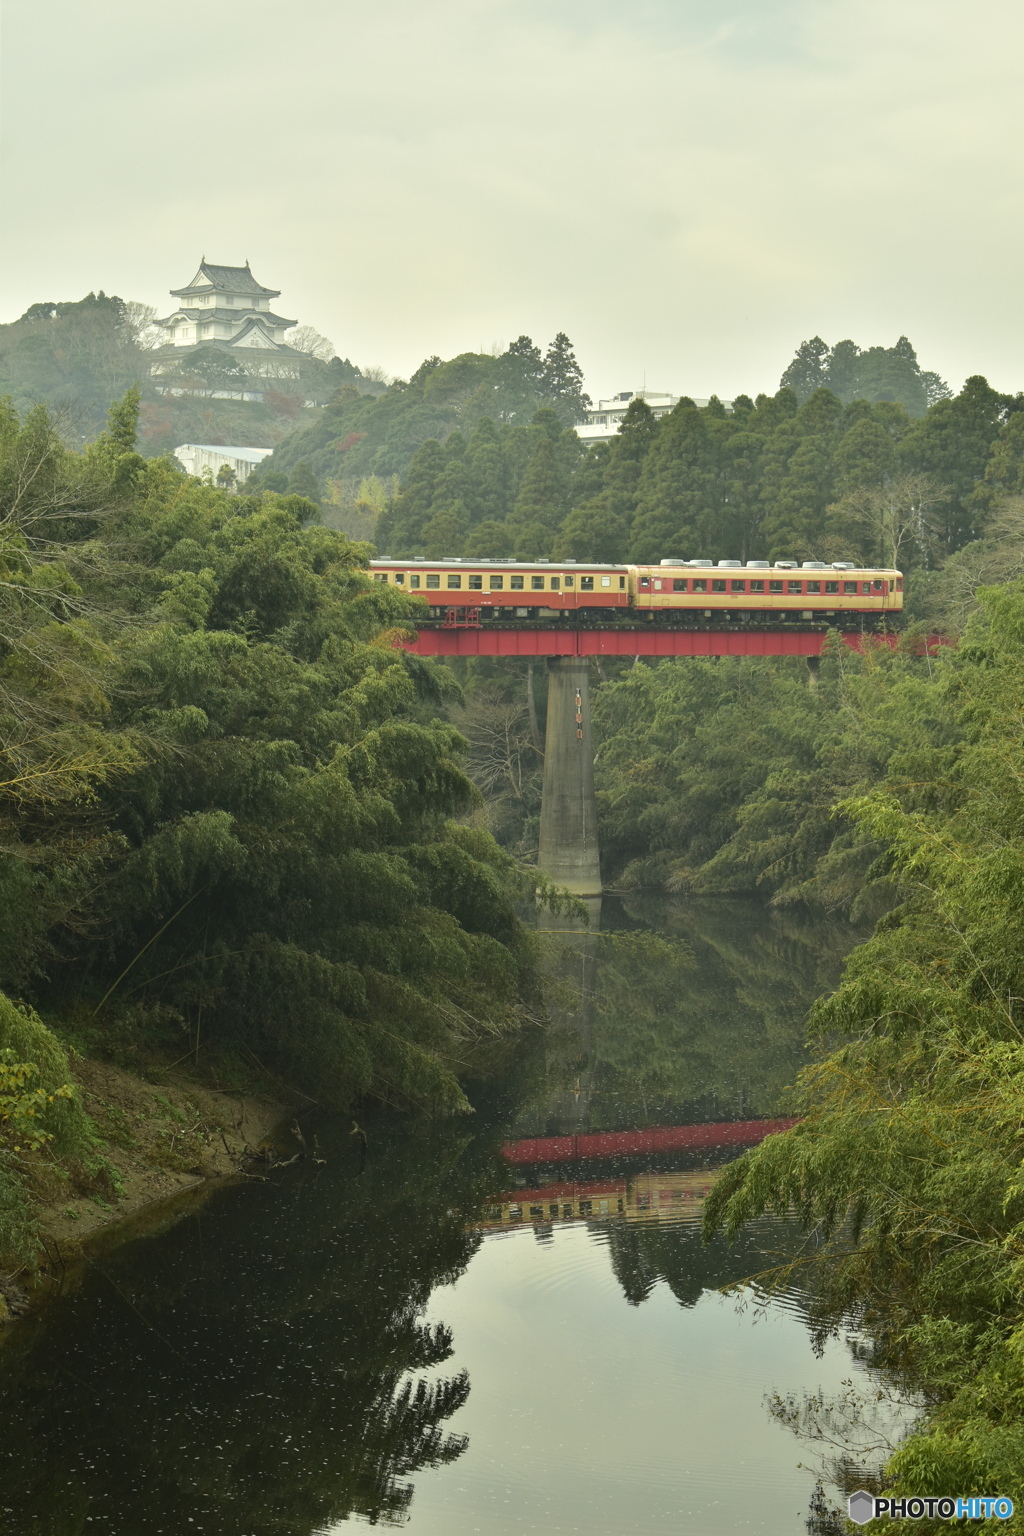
<point x="569" y="851"/>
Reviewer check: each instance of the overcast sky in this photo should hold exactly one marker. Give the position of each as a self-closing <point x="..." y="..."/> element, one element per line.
<point x="689" y="188"/>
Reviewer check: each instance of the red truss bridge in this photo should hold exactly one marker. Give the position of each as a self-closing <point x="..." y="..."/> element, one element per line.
<point x="678" y="608"/>
<point x="654" y="1138"/>
<point x="496" y="640"/>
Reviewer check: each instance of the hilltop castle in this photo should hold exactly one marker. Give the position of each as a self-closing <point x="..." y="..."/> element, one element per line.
<point x="227" y="309"/>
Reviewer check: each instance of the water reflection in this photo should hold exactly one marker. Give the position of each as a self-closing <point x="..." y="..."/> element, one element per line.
<point x="258" y="1369"/>
<point x="300" y="1354"/>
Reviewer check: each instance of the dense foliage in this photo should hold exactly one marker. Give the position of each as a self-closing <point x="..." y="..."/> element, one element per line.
<point x="874" y="373"/>
<point x="772" y="478"/>
<point x="907" y="1166"/>
<point x="358" y="437"/>
<point x="722" y="776"/>
<point x="231" y="826"/>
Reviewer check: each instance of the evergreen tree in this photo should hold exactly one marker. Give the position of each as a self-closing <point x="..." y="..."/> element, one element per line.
<point x="542" y="501"/>
<point x="562" y="379"/>
<point x="678" y="484"/>
<point x="952" y="444"/>
<point x="808" y="370"/>
<point x="599" y="528"/>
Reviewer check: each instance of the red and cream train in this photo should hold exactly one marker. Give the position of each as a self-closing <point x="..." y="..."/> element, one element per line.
<point x="687" y="593"/>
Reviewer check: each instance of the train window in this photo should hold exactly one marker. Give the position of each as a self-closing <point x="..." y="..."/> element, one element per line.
<point x="434" y="580"/>
<point x="849" y="589"/>
<point x="414" y="579"/>
<point x="536" y="583"/>
<point x="570" y="581"/>
<point x="645" y="581"/>
<point x="813" y="586"/>
<point x="399" y="577"/>
<point x="775" y="586"/>
<point x="555" y="583"/>
<point x="794" y="586"/>
<point x="606" y="581"/>
<point x="497" y="583"/>
<point x="552" y="1210"/>
<point x="831" y="586"/>
<point x="657" y="586"/>
<point x="567" y="1212"/>
<point x="536" y="1210"/>
<point x="737" y="586"/>
<point x="516" y="583"/>
<point x="622" y="584"/>
<point x="899" y="584"/>
<point x="454" y="581"/>
<point x="757" y="586"/>
<point x="700" y="585"/>
<point x="475" y="583"/>
<point x="679" y="584"/>
<point x="383" y="578"/>
<point x="718" y="586"/>
<point x="586" y="1207"/>
<point x="879" y="586"/>
<point x="586" y="583"/>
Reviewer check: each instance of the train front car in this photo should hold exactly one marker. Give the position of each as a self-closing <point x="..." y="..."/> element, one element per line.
<point x="699" y="593"/>
<point x="458" y="593"/>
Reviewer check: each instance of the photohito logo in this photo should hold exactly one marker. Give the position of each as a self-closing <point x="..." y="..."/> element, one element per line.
<point x="864" y="1507"/>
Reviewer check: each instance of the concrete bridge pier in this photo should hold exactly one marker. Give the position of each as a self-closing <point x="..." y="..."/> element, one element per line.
<point x="568" y="816"/>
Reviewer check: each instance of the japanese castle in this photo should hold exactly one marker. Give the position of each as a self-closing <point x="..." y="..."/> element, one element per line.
<point x="226" y="308"/>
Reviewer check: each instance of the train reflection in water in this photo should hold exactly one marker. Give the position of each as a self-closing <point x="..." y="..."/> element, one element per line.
<point x="641" y="1196"/>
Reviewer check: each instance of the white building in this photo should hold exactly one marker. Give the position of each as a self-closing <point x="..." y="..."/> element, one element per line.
<point x="226" y="308"/>
<point x="602" y="421"/>
<point x="195" y="458"/>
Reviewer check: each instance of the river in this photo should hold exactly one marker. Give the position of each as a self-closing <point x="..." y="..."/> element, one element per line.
<point x="429" y="1333"/>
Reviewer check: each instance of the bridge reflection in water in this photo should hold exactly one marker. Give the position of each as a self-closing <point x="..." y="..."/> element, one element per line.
<point x="639" y="1196"/>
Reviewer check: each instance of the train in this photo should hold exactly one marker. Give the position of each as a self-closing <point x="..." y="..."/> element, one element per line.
<point x="694" y="594"/>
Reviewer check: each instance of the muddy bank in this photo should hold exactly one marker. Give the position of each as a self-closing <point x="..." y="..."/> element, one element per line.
<point x="160" y="1146"/>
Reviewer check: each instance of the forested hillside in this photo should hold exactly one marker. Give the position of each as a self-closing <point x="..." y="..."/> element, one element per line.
<point x="359" y="438"/>
<point x="772" y="478"/>
<point x="233" y="825"/>
<point x="76" y="357"/>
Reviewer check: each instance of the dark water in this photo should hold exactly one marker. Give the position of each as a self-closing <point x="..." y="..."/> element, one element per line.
<point x="410" y="1338"/>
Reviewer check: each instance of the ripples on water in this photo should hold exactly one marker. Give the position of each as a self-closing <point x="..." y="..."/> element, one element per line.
<point x="384" y="1344"/>
<point x="591" y="1415"/>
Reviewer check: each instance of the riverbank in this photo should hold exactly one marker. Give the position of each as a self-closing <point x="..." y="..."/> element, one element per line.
<point x="156" y="1142"/>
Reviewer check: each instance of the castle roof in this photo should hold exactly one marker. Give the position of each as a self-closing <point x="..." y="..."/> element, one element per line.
<point x="234" y="279"/>
<point x="226" y="314"/>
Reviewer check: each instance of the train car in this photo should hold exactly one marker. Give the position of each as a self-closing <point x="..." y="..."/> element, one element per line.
<point x="689" y="594"/>
<point x="696" y="591"/>
<point x="472" y="590"/>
